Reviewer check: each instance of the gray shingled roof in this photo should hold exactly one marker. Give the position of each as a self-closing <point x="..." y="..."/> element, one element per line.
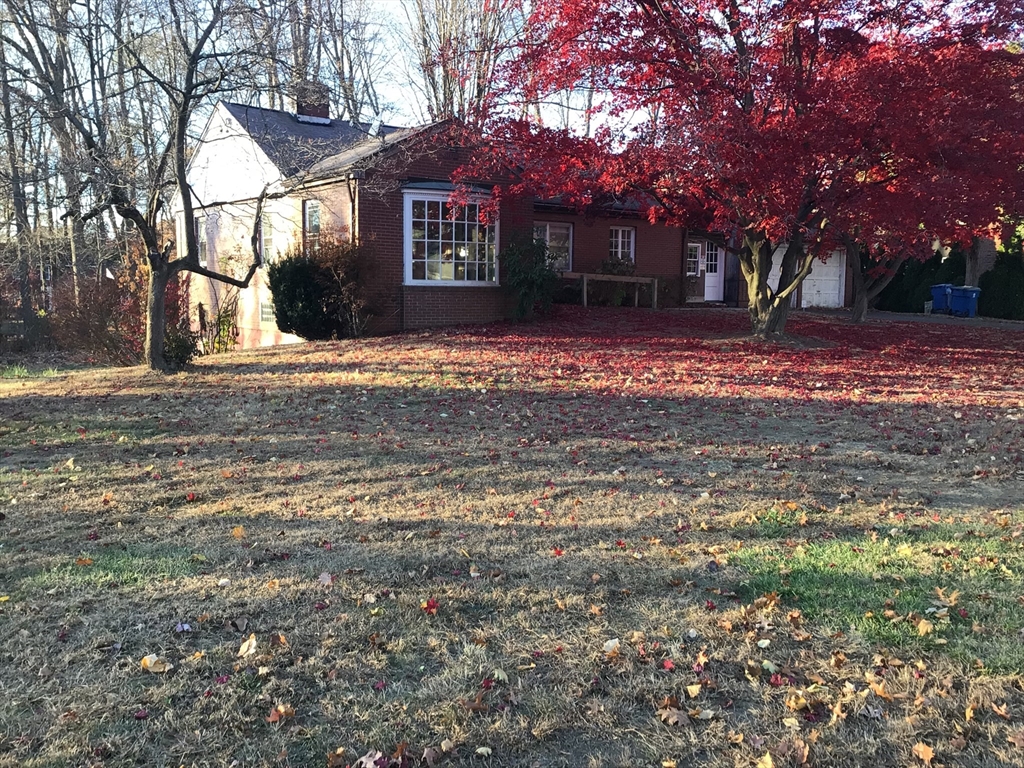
<point x="353" y="155"/>
<point x="294" y="146"/>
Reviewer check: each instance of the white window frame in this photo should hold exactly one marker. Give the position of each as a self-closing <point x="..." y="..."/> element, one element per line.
<point x="693" y="258"/>
<point x="267" y="318"/>
<point x="616" y="232"/>
<point x="547" y="237"/>
<point x="716" y="249"/>
<point x="202" y="241"/>
<point x="266" y="227"/>
<point x="443" y="197"/>
<point x="307" y="237"/>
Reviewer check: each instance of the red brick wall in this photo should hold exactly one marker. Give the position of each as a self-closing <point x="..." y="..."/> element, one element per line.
<point x="658" y="248"/>
<point x="424" y="306"/>
<point x="381" y="229"/>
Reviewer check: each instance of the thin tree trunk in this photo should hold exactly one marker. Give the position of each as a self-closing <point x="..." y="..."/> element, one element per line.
<point x="972" y="271"/>
<point x="867" y="288"/>
<point x="156" y="315"/>
<point x="860" y="290"/>
<point x="73" y="241"/>
<point x="22" y="226"/>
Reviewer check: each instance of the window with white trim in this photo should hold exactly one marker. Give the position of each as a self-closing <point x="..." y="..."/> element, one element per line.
<point x="202" y="245"/>
<point x="266" y="236"/>
<point x="557" y="236"/>
<point x="692" y="259"/>
<point x="622" y="241"/>
<point x="267" y="312"/>
<point x="311" y="226"/>
<point x="711" y="257"/>
<point x="448" y="244"/>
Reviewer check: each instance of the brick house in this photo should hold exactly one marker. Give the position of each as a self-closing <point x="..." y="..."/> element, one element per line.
<point x="389" y="187"/>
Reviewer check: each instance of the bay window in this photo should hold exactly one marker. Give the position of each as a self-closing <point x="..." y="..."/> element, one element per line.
<point x="448" y="244"/>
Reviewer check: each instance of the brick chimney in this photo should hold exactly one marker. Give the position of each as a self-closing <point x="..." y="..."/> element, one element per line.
<point x="312" y="102"/>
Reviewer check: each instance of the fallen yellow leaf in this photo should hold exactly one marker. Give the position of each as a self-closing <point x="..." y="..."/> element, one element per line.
<point x="238" y="531"/>
<point x="924" y="753"/>
<point x="154" y="663"/>
<point x="248" y="648"/>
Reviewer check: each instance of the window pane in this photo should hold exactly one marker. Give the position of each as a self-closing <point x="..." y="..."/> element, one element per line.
<point x="267" y="233"/>
<point x="449" y="243"/>
<point x="711" y="263"/>
<point x="558" y="236"/>
<point x="312" y="217"/>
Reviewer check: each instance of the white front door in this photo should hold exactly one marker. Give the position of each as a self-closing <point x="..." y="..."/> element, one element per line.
<point x="714" y="284"/>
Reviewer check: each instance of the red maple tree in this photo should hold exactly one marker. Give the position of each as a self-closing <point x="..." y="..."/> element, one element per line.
<point x="796" y="128"/>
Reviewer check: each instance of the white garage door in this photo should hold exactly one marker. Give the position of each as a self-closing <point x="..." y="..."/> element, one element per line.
<point x="826" y="285"/>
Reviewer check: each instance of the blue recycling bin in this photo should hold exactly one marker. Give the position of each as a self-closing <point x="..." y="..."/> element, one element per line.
<point x="963" y="301"/>
<point x="941" y="295"/>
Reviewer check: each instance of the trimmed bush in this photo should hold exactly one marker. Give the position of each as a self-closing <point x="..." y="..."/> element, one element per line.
<point x="321" y="296"/>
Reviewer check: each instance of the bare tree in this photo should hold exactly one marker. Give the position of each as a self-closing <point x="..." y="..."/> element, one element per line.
<point x="177" y="55"/>
<point x="455" y="47"/>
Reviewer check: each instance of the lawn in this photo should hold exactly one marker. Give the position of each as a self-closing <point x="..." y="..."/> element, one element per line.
<point x="609" y="538"/>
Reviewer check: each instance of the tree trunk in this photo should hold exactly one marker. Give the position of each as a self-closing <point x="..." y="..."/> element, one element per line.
<point x="22" y="226"/>
<point x="860" y="289"/>
<point x="971" y="273"/>
<point x="867" y="288"/>
<point x="769" y="308"/>
<point x="156" y="315"/>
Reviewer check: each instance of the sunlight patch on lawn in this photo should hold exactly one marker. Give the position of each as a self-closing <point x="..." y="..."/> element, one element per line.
<point x="118" y="568"/>
<point x="882" y="587"/>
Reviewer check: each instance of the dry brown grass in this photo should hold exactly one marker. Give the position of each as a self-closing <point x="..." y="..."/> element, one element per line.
<point x="421" y="517"/>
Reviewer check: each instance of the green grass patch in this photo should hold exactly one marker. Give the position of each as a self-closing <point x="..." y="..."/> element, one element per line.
<point x="115" y="568"/>
<point x="883" y="587"/>
<point x="23" y="372"/>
